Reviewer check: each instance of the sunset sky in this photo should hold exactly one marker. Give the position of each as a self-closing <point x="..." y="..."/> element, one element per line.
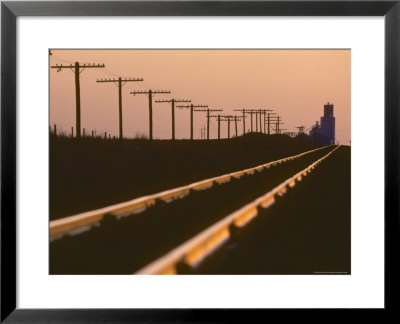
<point x="294" y="83"/>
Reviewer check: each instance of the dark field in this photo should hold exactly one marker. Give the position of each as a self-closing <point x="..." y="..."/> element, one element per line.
<point x="126" y="245"/>
<point x="93" y="173"/>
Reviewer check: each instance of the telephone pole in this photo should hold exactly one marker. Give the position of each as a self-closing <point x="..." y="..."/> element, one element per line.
<point x="173" y="101"/>
<point x="256" y="112"/>
<point x="208" y="119"/>
<point x="120" y="83"/>
<point x="269" y="120"/>
<point x="258" y="121"/>
<point x="191" y="106"/>
<point x="150" y="93"/>
<point x="251" y="112"/>
<point x="251" y="118"/>
<point x="237" y="118"/>
<point x="229" y="118"/>
<point x="77" y="68"/>
<point x="277" y="125"/>
<point x="265" y="113"/>
<point x="301" y="129"/>
<point x="243" y="111"/>
<point x="219" y="125"/>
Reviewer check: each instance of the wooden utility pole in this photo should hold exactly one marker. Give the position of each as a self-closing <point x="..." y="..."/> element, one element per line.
<point x="77" y="69"/>
<point x="208" y="119"/>
<point x="277" y="125"/>
<point x="238" y="118"/>
<point x="236" y="135"/>
<point x="269" y="119"/>
<point x="301" y="129"/>
<point x="150" y="94"/>
<point x="258" y="121"/>
<point x="219" y="124"/>
<point x="256" y="112"/>
<point x="120" y="83"/>
<point x="191" y="106"/>
<point x="243" y="117"/>
<point x="173" y="101"/>
<point x="251" y="112"/>
<point x="229" y="118"/>
<point x="243" y="111"/>
<point x="263" y="111"/>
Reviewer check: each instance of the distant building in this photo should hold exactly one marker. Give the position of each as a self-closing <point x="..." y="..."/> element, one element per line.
<point x="328" y="124"/>
<point x="324" y="133"/>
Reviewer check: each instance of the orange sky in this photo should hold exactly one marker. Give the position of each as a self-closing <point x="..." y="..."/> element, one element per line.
<point x="295" y="83"/>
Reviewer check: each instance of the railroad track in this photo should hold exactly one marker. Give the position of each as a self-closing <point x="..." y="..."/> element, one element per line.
<point x="156" y="237"/>
<point x="82" y="222"/>
<point x="194" y="251"/>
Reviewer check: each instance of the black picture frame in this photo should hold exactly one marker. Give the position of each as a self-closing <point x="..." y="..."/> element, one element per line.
<point x="10" y="10"/>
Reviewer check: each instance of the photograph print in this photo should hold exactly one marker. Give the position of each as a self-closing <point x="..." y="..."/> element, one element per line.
<point x="200" y="161"/>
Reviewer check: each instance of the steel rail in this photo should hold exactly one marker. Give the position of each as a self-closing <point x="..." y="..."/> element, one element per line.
<point x="84" y="221"/>
<point x="194" y="251"/>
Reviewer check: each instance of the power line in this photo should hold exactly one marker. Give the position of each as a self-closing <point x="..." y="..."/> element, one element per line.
<point x="191" y="106"/>
<point x="277" y="126"/>
<point x="229" y="118"/>
<point x="78" y="69"/>
<point x="150" y="94"/>
<point x="119" y="83"/>
<point x="173" y="101"/>
<point x="269" y="119"/>
<point x="264" y="111"/>
<point x="219" y="124"/>
<point x="251" y="112"/>
<point x="208" y="118"/>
